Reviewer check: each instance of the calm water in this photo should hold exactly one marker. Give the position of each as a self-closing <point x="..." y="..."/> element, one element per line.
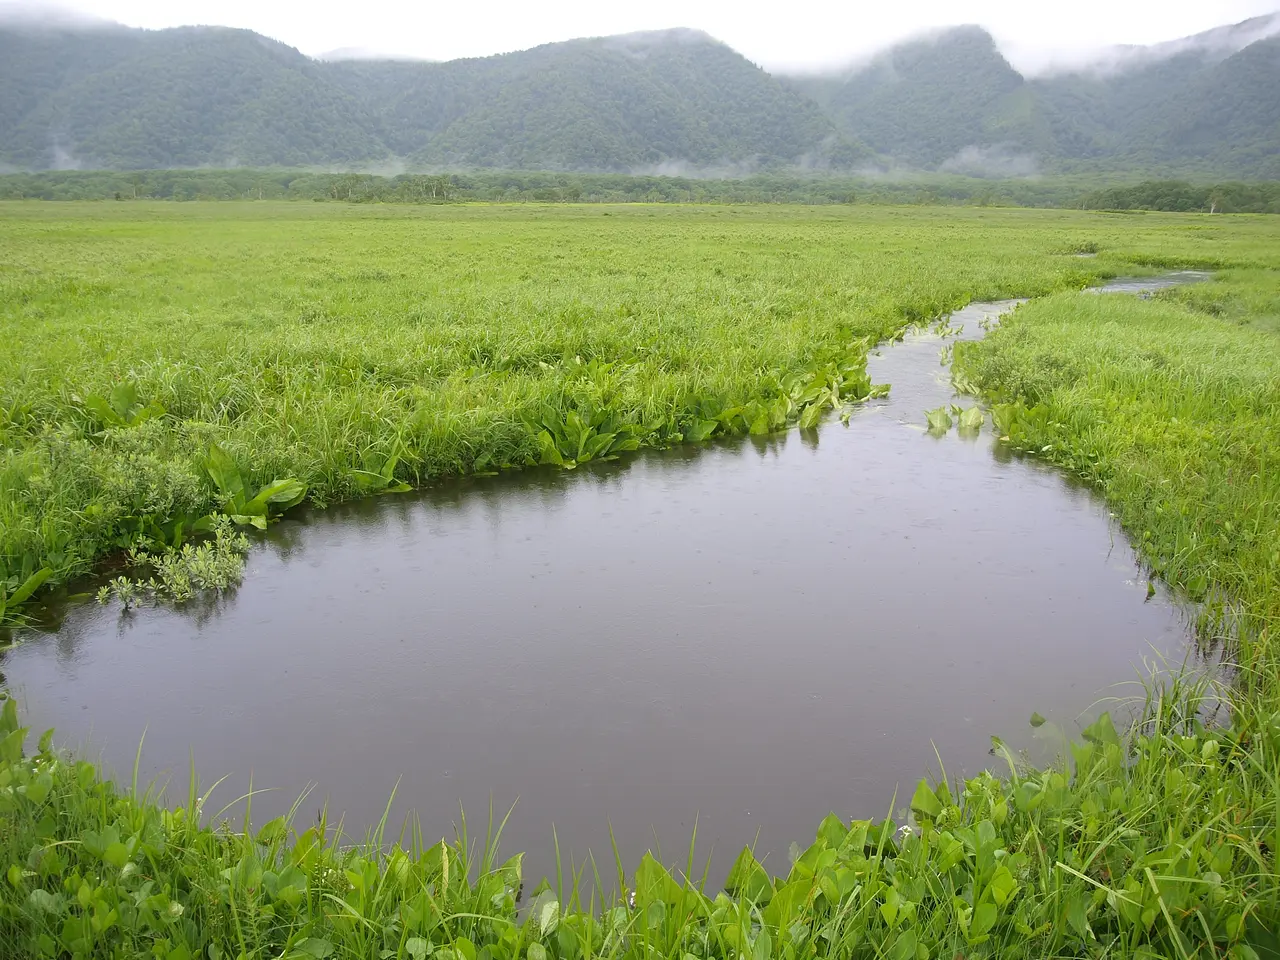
<point x="753" y="633"/>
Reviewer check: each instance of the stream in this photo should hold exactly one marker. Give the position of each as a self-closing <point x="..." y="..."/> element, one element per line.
<point x="751" y="633"/>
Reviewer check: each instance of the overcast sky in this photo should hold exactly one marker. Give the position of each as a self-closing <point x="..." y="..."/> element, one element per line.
<point x="790" y="35"/>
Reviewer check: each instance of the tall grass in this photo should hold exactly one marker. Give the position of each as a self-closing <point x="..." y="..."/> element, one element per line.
<point x="309" y="343"/>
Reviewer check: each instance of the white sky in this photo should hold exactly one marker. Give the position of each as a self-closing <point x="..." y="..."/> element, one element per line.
<point x="795" y="34"/>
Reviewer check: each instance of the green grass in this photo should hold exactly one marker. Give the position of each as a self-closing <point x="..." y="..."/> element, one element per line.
<point x="1156" y="841"/>
<point x="1171" y="407"/>
<point x="318" y="342"/>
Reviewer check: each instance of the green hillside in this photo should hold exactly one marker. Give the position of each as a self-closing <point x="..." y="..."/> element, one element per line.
<point x="923" y="102"/>
<point x="671" y="102"/>
<point x="613" y="103"/>
<point x="1206" y="105"/>
<point x="172" y="98"/>
<point x="123" y="98"/>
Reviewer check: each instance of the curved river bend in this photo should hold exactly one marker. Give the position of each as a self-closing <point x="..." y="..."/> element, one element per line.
<point x="753" y="633"/>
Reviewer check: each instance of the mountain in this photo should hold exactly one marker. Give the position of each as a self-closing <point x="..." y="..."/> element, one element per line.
<point x="923" y="102"/>
<point x="1198" y="104"/>
<point x="115" y="97"/>
<point x="951" y="101"/>
<point x="100" y="95"/>
<point x="193" y="96"/>
<point x="651" y="100"/>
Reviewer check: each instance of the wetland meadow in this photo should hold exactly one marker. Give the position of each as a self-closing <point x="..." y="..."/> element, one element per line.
<point x="774" y="581"/>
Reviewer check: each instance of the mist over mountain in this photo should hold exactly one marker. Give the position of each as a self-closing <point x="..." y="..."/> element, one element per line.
<point x="1208" y="104"/>
<point x="98" y="95"/>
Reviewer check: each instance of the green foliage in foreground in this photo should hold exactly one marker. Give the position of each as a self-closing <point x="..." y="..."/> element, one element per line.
<point x="1157" y="845"/>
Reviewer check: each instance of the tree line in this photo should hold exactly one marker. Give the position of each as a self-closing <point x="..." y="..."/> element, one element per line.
<point x="518" y="186"/>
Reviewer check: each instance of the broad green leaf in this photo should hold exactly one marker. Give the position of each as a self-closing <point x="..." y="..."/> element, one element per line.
<point x="811" y="416"/>
<point x="904" y="948"/>
<point x="1002" y="886"/>
<point x="29" y="586"/>
<point x="984" y="918"/>
<point x="101" y="409"/>
<point x="39" y="788"/>
<point x="972" y="419"/>
<point x="700" y="430"/>
<point x="890" y="909"/>
<point x="1102" y="731"/>
<point x="1037" y="720"/>
<point x="939" y="420"/>
<point x="116" y="854"/>
<point x="224" y="473"/>
<point x="549" y="450"/>
<point x="1077" y="914"/>
<point x="124" y="397"/>
<point x="44" y="901"/>
<point x="925" y="802"/>
<point x="748" y="879"/>
<point x="314" y="947"/>
<point x="283" y="493"/>
<point x="548" y="916"/>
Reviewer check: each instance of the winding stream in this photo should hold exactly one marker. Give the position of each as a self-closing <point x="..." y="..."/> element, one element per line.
<point x="753" y="633"/>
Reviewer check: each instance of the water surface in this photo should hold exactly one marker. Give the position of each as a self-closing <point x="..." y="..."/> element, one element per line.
<point x="752" y="633"/>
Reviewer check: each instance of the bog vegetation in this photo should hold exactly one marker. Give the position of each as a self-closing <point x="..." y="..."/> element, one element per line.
<point x="169" y="364"/>
<point x="176" y="373"/>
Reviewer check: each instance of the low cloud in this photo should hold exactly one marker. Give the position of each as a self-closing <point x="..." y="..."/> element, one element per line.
<point x="63" y="159"/>
<point x="993" y="162"/>
<point x="1218" y="43"/>
<point x="36" y="14"/>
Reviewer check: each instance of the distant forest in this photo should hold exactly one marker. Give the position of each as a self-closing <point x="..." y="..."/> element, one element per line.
<point x="519" y="186"/>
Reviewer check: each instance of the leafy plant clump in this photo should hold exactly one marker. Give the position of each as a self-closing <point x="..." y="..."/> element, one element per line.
<point x="239" y="502"/>
<point x="122" y="409"/>
<point x="969" y="420"/>
<point x="179" y="574"/>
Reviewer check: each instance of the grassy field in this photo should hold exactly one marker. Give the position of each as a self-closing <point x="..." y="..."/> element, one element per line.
<point x="311" y="344"/>
<point x="352" y="347"/>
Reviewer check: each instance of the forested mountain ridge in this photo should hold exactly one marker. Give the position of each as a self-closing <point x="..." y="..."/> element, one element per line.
<point x="193" y="96"/>
<point x="951" y="101"/>
<point x="115" y="97"/>
<point x="677" y="101"/>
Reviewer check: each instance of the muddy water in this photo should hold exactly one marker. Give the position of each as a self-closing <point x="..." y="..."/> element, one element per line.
<point x="752" y="634"/>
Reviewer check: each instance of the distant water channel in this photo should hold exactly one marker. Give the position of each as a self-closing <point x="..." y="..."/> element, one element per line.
<point x="751" y="633"/>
